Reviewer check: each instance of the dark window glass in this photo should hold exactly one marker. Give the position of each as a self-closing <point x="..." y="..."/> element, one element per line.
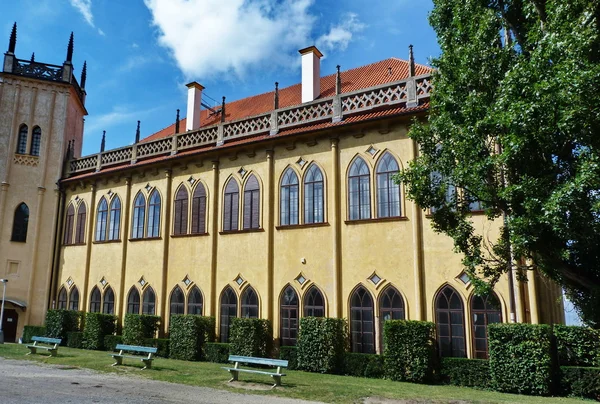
<point x="251" y="204"/>
<point x="388" y="192"/>
<point x="154" y="215"/>
<point x="80" y="227"/>
<point x="391" y="307"/>
<point x="313" y="195"/>
<point x="288" y="204"/>
<point x="62" y="299"/>
<point x="177" y="303"/>
<point x="484" y="310"/>
<point x="314" y="304"/>
<point x="228" y="311"/>
<point x="139" y="216"/>
<point x="289" y="317"/>
<point x="74" y="299"/>
<point x="20" y="223"/>
<point x="359" y="190"/>
<point x="195" y="301"/>
<point x="450" y="323"/>
<point x="362" y="322"/>
<point x="199" y="210"/>
<point x="36" y="140"/>
<point x="149" y="302"/>
<point x="109" y="301"/>
<point x="231" y="206"/>
<point x="180" y="221"/>
<point x="249" y="303"/>
<point x="95" y="300"/>
<point x="133" y="301"/>
<point x="69" y="219"/>
<point x="22" y="140"/>
<point x="101" y="220"/>
<point x="114" y="226"/>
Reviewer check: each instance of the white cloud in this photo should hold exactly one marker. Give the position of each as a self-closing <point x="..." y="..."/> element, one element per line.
<point x="101" y="32"/>
<point x="85" y="8"/>
<point x="118" y="115"/>
<point x="339" y="36"/>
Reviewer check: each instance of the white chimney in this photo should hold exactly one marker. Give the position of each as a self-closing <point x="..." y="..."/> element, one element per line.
<point x="193" y="105"/>
<point x="311" y="73"/>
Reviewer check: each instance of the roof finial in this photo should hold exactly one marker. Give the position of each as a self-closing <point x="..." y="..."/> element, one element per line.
<point x="33" y="57"/>
<point x="70" y="49"/>
<point x="411" y="61"/>
<point x="223" y="110"/>
<point x="137" y="133"/>
<point x="12" y="43"/>
<point x="338" y="81"/>
<point x="276" y="97"/>
<point x="84" y="74"/>
<point x="103" y="141"/>
<point x="177" y="122"/>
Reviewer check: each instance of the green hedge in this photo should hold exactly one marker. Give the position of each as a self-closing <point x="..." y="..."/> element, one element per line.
<point x="187" y="337"/>
<point x="251" y="337"/>
<point x="216" y="352"/>
<point x="97" y="326"/>
<point x="577" y="346"/>
<point x="33" y="331"/>
<point x="139" y="327"/>
<point x="75" y="339"/>
<point x="364" y="365"/>
<point x="111" y="341"/>
<point x="322" y="343"/>
<point x="410" y="353"/>
<point x="210" y="327"/>
<point x="60" y="322"/>
<point x="290" y="354"/>
<point x="580" y="382"/>
<point x="521" y="358"/>
<point x="162" y="344"/>
<point x="465" y="372"/>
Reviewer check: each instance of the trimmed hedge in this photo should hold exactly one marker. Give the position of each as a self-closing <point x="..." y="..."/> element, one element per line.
<point x="410" y="350"/>
<point x="322" y="343"/>
<point x="251" y="337"/>
<point x="290" y="354"/>
<point x="577" y="346"/>
<point x="465" y="372"/>
<point x="580" y="382"/>
<point x="111" y="341"/>
<point x="364" y="365"/>
<point x="162" y="345"/>
<point x="97" y="326"/>
<point x="138" y="327"/>
<point x="521" y="358"/>
<point x="60" y="322"/>
<point x="187" y="337"/>
<point x="33" y="331"/>
<point x="75" y="339"/>
<point x="216" y="352"/>
<point x="210" y="327"/>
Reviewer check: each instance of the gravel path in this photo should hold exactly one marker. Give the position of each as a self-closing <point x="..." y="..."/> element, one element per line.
<point x="31" y="382"/>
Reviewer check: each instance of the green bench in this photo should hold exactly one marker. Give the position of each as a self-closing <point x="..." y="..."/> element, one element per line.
<point x="276" y="375"/>
<point x="145" y="356"/>
<point x="45" y="343"/>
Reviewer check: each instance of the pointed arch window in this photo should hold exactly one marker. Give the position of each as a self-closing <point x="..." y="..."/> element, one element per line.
<point x="80" y="227"/>
<point x="74" y="299"/>
<point x="69" y="220"/>
<point x="149" y="301"/>
<point x="485" y="310"/>
<point x="20" y="223"/>
<point x="195" y="301"/>
<point x="289" y="317"/>
<point x="228" y="311"/>
<point x="359" y="190"/>
<point x="133" y="301"/>
<point x="22" y="140"/>
<point x="108" y="305"/>
<point x="249" y="303"/>
<point x="388" y="192"/>
<point x="362" y="324"/>
<point x="199" y="210"/>
<point x="114" y="226"/>
<point x="391" y="307"/>
<point x="36" y="140"/>
<point x="231" y="206"/>
<point x="139" y="216"/>
<point x="154" y="215"/>
<point x="313" y="195"/>
<point x="95" y="300"/>
<point x="450" y="323"/>
<point x="314" y="303"/>
<point x="101" y="220"/>
<point x="62" y="299"/>
<point x="252" y="204"/>
<point x="177" y="303"/>
<point x="180" y="221"/>
<point x="288" y="208"/>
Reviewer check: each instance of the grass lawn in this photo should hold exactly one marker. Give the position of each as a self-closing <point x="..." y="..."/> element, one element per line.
<point x="304" y="385"/>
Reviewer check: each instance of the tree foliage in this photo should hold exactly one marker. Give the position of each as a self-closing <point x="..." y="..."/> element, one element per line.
<point x="515" y="124"/>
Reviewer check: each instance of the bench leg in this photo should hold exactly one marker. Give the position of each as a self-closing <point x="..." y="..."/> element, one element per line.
<point x="277" y="381"/>
<point x="234" y="375"/>
<point x="148" y="364"/>
<point x="31" y="351"/>
<point x="53" y="352"/>
<point x="119" y="361"/>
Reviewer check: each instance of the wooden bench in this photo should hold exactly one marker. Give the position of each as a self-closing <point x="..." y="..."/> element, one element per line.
<point x="143" y="350"/>
<point x="49" y="344"/>
<point x="235" y="370"/>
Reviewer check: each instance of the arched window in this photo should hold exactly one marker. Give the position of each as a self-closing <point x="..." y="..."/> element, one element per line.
<point x="289" y="316"/>
<point x="95" y="300"/>
<point x="177" y="303"/>
<point x="180" y="221"/>
<point x="314" y="304"/>
<point x="114" y="225"/>
<point x="74" y="299"/>
<point x="36" y="140"/>
<point x="195" y="301"/>
<point x="228" y="311"/>
<point x="484" y="310"/>
<point x="231" y="206"/>
<point x="80" y="227"/>
<point x="388" y="192"/>
<point x="69" y="219"/>
<point x="249" y="303"/>
<point x="154" y="215"/>
<point x="313" y="195"/>
<point x="199" y="210"/>
<point x="252" y="204"/>
<point x="391" y="307"/>
<point x="62" y="299"/>
<point x="133" y="301"/>
<point x="149" y="301"/>
<point x="22" y="140"/>
<point x="139" y="216"/>
<point x="449" y="318"/>
<point x="359" y="190"/>
<point x="288" y="205"/>
<point x="20" y="223"/>
<point x="101" y="220"/>
<point x="108" y="306"/>
<point x="362" y="324"/>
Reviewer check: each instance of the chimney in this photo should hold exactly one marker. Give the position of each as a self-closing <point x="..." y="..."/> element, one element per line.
<point x="193" y="105"/>
<point x="311" y="73"/>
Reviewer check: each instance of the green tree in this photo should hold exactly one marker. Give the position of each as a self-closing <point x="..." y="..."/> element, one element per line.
<point x="514" y="125"/>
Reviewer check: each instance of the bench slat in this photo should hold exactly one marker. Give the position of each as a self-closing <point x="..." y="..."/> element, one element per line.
<point x="146" y="349"/>
<point x="47" y="340"/>
<point x="258" y="361"/>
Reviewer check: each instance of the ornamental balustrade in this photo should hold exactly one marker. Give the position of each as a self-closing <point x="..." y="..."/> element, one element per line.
<point x="409" y="92"/>
<point x="37" y="70"/>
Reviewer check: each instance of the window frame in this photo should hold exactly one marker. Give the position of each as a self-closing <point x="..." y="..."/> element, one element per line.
<point x="114" y="219"/>
<point x="231" y="205"/>
<point x="249" y="309"/>
<point x="149" y="301"/>
<point x="199" y="203"/>
<point x="390" y="189"/>
<point x="69" y="225"/>
<point x="485" y="312"/>
<point x="80" y="224"/>
<point x="138" y="219"/>
<point x="288" y="332"/>
<point x="131" y="301"/>
<point x="312" y="204"/>
<point x="251" y="207"/>
<point x="179" y="306"/>
<point x="108" y="306"/>
<point x="191" y="304"/>
<point x="287" y="201"/>
<point x="358" y="335"/>
<point x="454" y="348"/>
<point x="95" y="300"/>
<point x="309" y="297"/>
<point x="180" y="211"/>
<point x="362" y="210"/>
<point x="20" y="223"/>
<point x="22" y="136"/>
<point x="154" y="215"/>
<point x="102" y="220"/>
<point x="36" y="141"/>
<point x="225" y="326"/>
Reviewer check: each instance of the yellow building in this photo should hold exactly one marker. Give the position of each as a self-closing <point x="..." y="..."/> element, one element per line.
<point x="276" y="206"/>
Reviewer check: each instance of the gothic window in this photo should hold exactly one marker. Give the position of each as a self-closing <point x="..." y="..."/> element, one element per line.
<point x="74" y="299"/>
<point x="20" y="223"/>
<point x="95" y="300"/>
<point x="177" y="303"/>
<point x="388" y="192"/>
<point x="449" y="318"/>
<point x="249" y="303"/>
<point x="149" y="301"/>
<point x="180" y="221"/>
<point x="362" y="324"/>
<point x="251" y="204"/>
<point x="139" y="216"/>
<point x="154" y="215"/>
<point x="195" y="301"/>
<point x="228" y="311"/>
<point x="69" y="219"/>
<point x="114" y="225"/>
<point x="199" y="210"/>
<point x="101" y="220"/>
<point x="80" y="226"/>
<point x="484" y="310"/>
<point x="313" y="195"/>
<point x="391" y="307"/>
<point x="288" y="208"/>
<point x="231" y="206"/>
<point x="359" y="190"/>
<point x="36" y="140"/>
<point x="22" y="140"/>
<point x="314" y="304"/>
<point x="62" y="299"/>
<point x="108" y="306"/>
<point x="289" y="316"/>
<point x="133" y="301"/>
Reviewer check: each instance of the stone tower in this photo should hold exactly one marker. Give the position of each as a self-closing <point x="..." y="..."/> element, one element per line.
<point x="42" y="109"/>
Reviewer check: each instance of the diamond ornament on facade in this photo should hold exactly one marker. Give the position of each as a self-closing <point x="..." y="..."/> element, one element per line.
<point x="301" y="279"/>
<point x="103" y="282"/>
<point x="375" y="278"/>
<point x="191" y="180"/>
<point x="301" y="162"/>
<point x="464" y="278"/>
<point x="142" y="282"/>
<point x="372" y="151"/>
<point x="242" y="172"/>
<point x="110" y="193"/>
<point x="187" y="281"/>
<point x="239" y="280"/>
<point x="148" y="187"/>
<point x="69" y="282"/>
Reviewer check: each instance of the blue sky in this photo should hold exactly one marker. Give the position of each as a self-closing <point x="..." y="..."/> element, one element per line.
<point x="140" y="54"/>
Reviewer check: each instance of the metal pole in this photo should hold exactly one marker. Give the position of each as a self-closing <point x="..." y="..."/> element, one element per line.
<point x="4" y="281"/>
